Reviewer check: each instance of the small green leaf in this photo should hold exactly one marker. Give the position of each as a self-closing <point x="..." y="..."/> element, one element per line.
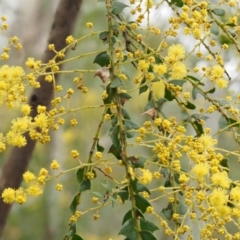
<point x="75" y="202"/>
<point x="149" y="105"/>
<point x="189" y="105"/>
<point x="85" y="185"/>
<point x="182" y="208"/>
<point x="158" y="60"/>
<point x="128" y="230"/>
<point x="102" y="59"/>
<point x="116" y="151"/>
<point x="116" y="82"/>
<point x="148" y="226"/>
<point x="176" y="177"/>
<point x="160" y="103"/>
<point x="214" y="29"/>
<point x="168" y="212"/>
<point x="138" y="187"/>
<point x="103" y="36"/>
<point x="97" y="194"/>
<point x="76" y="237"/>
<point x="195" y="80"/>
<point x="195" y="91"/>
<point x="177" y="82"/>
<point x="218" y="11"/>
<point x="184" y="115"/>
<point x="128" y="215"/>
<point x="212" y="90"/>
<point x="168" y="95"/>
<point x="199" y="117"/>
<point x="130" y="125"/>
<point x="80" y="174"/>
<point x="224" y="163"/>
<point x="99" y="147"/>
<point x="113" y="133"/>
<point x="138" y="161"/>
<point x="124" y="195"/>
<point x="141" y="203"/>
<point x="144" y="88"/>
<point x="165" y="172"/>
<point x="125" y="114"/>
<point x="168" y="183"/>
<point x="118" y="7"/>
<point x="223" y="122"/>
<point x="107" y="185"/>
<point x="198" y="128"/>
<point x="146" y="235"/>
<point x="178" y="3"/>
<point x="72" y="230"/>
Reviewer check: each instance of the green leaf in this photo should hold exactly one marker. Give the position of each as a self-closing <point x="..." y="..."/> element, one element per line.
<point x="184" y="115"/>
<point x="75" y="202"/>
<point x="116" y="82"/>
<point x="195" y="80"/>
<point x="148" y="226"/>
<point x="113" y="133"/>
<point x="198" y="128"/>
<point x="138" y="161"/>
<point x="177" y="82"/>
<point x="124" y="97"/>
<point x="189" y="105"/>
<point x="146" y="235"/>
<point x="128" y="215"/>
<point x="76" y="237"/>
<point x="141" y="203"/>
<point x="176" y="177"/>
<point x="168" y="212"/>
<point x="118" y="7"/>
<point x="144" y="88"/>
<point x="85" y="185"/>
<point x="212" y="90"/>
<point x="128" y="230"/>
<point x="138" y="187"/>
<point x="168" y="183"/>
<point x="158" y="60"/>
<point x="178" y="3"/>
<point x="224" y="163"/>
<point x="149" y="105"/>
<point x="125" y="114"/>
<point x="199" y="117"/>
<point x="124" y="195"/>
<point x="99" y="147"/>
<point x="218" y="11"/>
<point x="72" y="230"/>
<point x="130" y="125"/>
<point x="165" y="172"/>
<point x="80" y="174"/>
<point x="195" y="91"/>
<point x="103" y="36"/>
<point x="107" y="186"/>
<point x="97" y="194"/>
<point x="214" y="29"/>
<point x="223" y="122"/>
<point x="182" y="208"/>
<point x="160" y="103"/>
<point x="116" y="151"/>
<point x="168" y="95"/>
<point x="102" y="59"/>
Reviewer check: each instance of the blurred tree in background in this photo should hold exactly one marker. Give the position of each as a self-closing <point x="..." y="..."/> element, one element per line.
<point x="141" y="137"/>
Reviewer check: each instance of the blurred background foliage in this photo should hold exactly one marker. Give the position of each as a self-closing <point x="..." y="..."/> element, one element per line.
<point x="47" y="217"/>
